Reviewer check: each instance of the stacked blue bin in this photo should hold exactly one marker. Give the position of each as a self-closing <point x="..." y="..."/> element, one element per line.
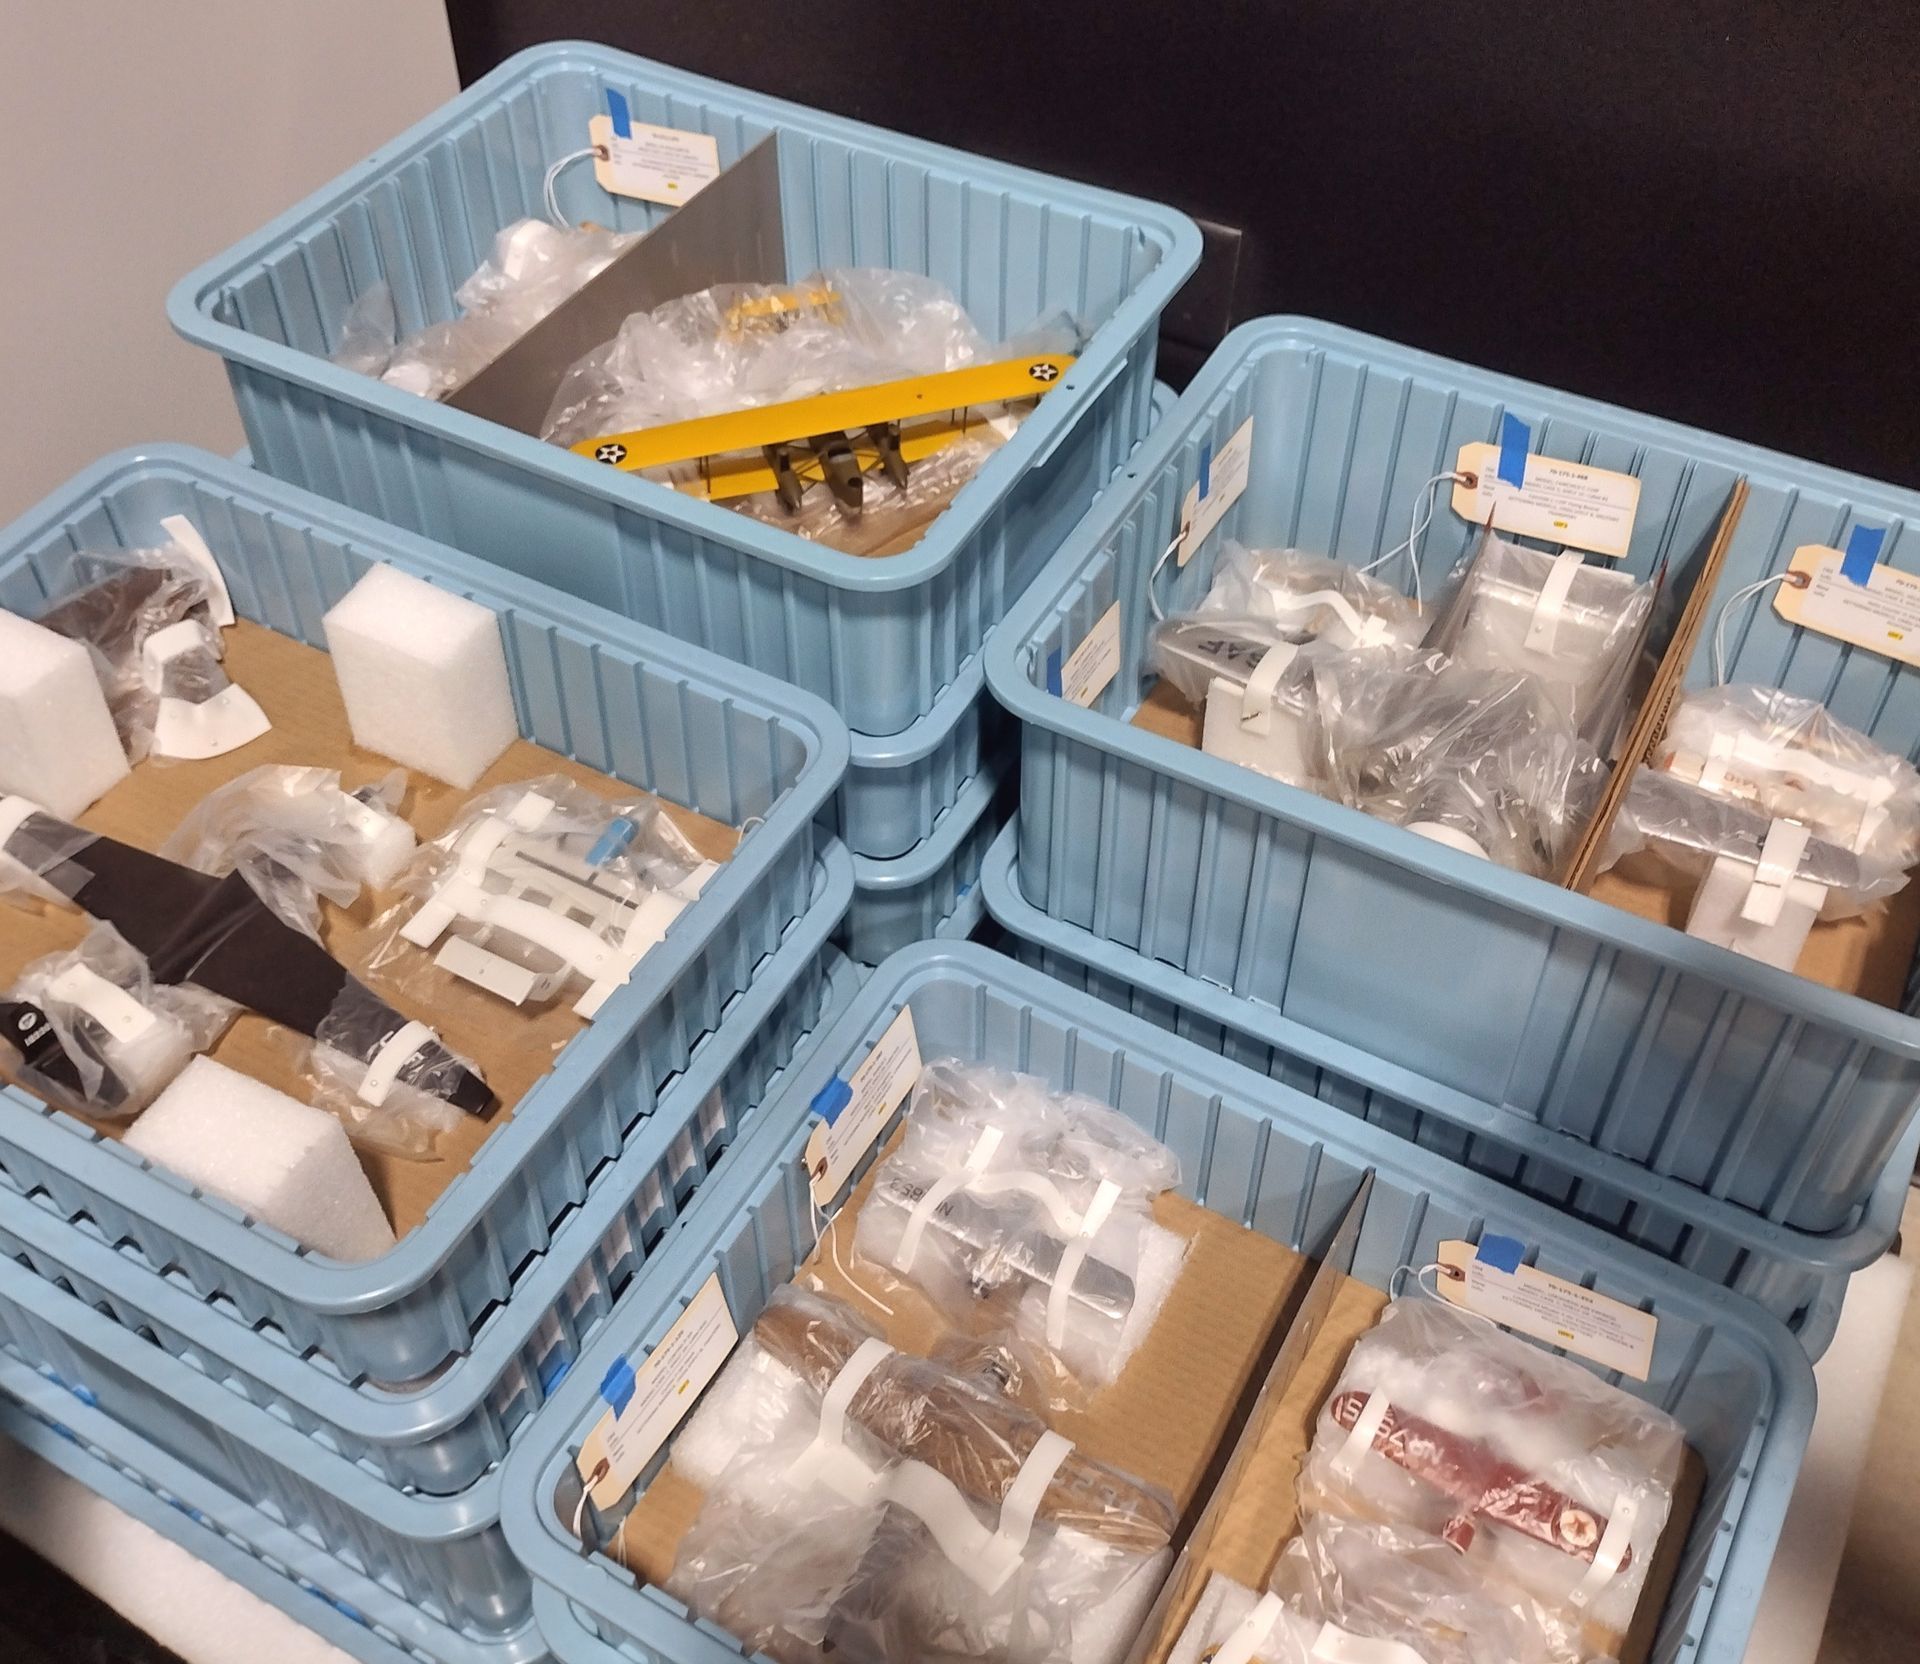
<point x="893" y="644"/>
<point x="1261" y="1154"/>
<point x="364" y="1409"/>
<point x="1745" y="1121"/>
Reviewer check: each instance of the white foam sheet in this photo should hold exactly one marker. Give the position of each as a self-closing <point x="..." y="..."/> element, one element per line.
<point x="58" y="745"/>
<point x="423" y="675"/>
<point x="284" y="1162"/>
<point x="155" y="1584"/>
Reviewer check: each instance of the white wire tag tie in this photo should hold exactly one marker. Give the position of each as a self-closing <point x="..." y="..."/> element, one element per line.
<point x="1794" y="580"/>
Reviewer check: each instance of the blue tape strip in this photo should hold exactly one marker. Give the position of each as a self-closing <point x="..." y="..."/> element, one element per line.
<point x="831" y="1099"/>
<point x="613" y="841"/>
<point x="1503" y="1253"/>
<point x="1863" y="554"/>
<point x="616" y="1386"/>
<point x="622" y="116"/>
<point x="1053" y="673"/>
<point x="1206" y="472"/>
<point x="1513" y="449"/>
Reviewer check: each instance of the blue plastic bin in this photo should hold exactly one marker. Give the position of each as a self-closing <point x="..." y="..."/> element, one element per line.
<point x="1798" y="1277"/>
<point x="261" y="1423"/>
<point x="924" y="893"/>
<point x="1531" y="1004"/>
<point x="667" y="717"/>
<point x="361" y="1616"/>
<point x="1249" y="1148"/>
<point x="878" y="638"/>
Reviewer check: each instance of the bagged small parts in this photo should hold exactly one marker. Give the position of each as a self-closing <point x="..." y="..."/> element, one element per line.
<point x="1480" y="760"/>
<point x="1787" y="758"/>
<point x="1003" y="1190"/>
<point x="1545" y="1483"/>
<point x="1575" y="626"/>
<point x="544" y="885"/>
<point x="865" y="1505"/>
<point x="94" y="1035"/>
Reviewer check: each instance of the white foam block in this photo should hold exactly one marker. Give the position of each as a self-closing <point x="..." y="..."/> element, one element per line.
<point x="284" y="1162"/>
<point x="423" y="675"/>
<point x="58" y="744"/>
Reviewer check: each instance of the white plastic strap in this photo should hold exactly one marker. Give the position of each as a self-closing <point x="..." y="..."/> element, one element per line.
<point x="1334" y="1645"/>
<point x="186" y="537"/>
<point x="531" y="811"/>
<point x="1285" y="600"/>
<point x="646" y="927"/>
<point x="1024" y="1496"/>
<point x="827" y="1459"/>
<point x="481" y="844"/>
<point x="1786" y="843"/>
<point x="1072" y="1257"/>
<point x="230" y="719"/>
<point x="1366" y="1425"/>
<point x="14" y="813"/>
<point x="1256" y="704"/>
<point x="107" y="1003"/>
<point x="394" y="1053"/>
<point x="1614" y="1542"/>
<point x="1552" y="605"/>
<point x="1243" y="1644"/>
<point x="938" y="1192"/>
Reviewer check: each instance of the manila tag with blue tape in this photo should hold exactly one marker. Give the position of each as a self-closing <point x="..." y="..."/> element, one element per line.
<point x="1491" y="1278"/>
<point x="647" y="1401"/>
<point x="853" y="1108"/>
<point x="1567" y="503"/>
<point x="655" y="164"/>
<point x="1221" y="483"/>
<point x="1851" y="595"/>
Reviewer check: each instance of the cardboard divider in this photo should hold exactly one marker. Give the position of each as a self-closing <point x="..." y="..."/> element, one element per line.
<point x="295" y="685"/>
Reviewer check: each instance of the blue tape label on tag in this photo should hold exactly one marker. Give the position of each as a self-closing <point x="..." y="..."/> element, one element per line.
<point x="1513" y="449"/>
<point x="1053" y="672"/>
<point x="831" y="1099"/>
<point x="1863" y="553"/>
<point x="616" y="1386"/>
<point x="622" y="116"/>
<point x="1503" y="1253"/>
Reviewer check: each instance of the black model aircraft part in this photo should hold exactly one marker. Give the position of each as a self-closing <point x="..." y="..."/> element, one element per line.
<point x="219" y="935"/>
<point x="25" y="1027"/>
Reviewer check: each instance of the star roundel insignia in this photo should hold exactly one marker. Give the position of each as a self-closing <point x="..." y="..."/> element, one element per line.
<point x="1044" y="372"/>
<point x="612" y="452"/>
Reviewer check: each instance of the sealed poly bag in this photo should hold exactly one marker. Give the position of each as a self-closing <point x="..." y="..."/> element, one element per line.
<point x="865" y="1505"/>
<point x="1480" y="760"/>
<point x="147" y="615"/>
<point x="39" y="854"/>
<point x="1787" y="758"/>
<point x="1574" y="624"/>
<point x="1041" y="1203"/>
<point x="389" y="1081"/>
<point x="92" y="1033"/>
<point x="534" y="266"/>
<point x="1546" y="1483"/>
<point x="542" y="886"/>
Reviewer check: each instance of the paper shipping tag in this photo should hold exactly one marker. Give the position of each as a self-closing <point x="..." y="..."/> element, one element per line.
<point x="655" y="164"/>
<point x="1882" y="615"/>
<point x="1085" y="672"/>
<point x="1224" y="478"/>
<point x="661" y="1392"/>
<point x="865" y="1101"/>
<point x="1547" y="1308"/>
<point x="1561" y="502"/>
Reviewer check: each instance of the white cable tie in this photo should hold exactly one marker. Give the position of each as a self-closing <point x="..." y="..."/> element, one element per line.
<point x="1365" y="1426"/>
<point x="1072" y="1257"/>
<point x="1612" y="1549"/>
<point x="1550" y="608"/>
<point x="391" y="1056"/>
<point x="938" y="1192"/>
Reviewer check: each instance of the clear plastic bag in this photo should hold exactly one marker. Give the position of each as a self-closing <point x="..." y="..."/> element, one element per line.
<point x="1543" y="1481"/>
<point x="1261" y="598"/>
<point x="1575" y="626"/>
<point x="534" y="266"/>
<point x="1787" y="758"/>
<point x="393" y="1084"/>
<point x="1001" y="1189"/>
<point x="147" y="617"/>
<point x="40" y="854"/>
<point x="863" y="1504"/>
<point x="543" y="886"/>
<point x="93" y="1034"/>
<point x="301" y="820"/>
<point x="1480" y="760"/>
<point x="368" y="333"/>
